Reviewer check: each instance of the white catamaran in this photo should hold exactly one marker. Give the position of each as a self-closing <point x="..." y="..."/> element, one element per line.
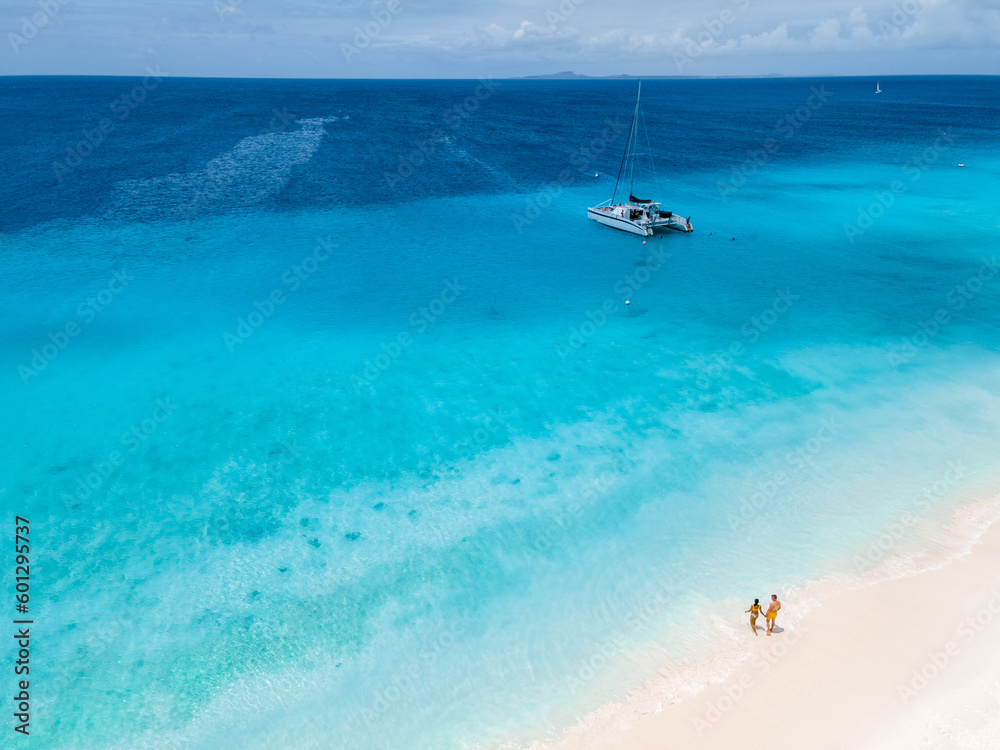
<point x="638" y="216"/>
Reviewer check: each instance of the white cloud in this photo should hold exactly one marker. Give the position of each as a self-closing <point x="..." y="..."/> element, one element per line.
<point x="826" y="35"/>
<point x="912" y="23"/>
<point x="98" y="36"/>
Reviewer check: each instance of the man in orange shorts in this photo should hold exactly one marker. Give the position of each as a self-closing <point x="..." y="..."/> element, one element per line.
<point x="772" y="612"/>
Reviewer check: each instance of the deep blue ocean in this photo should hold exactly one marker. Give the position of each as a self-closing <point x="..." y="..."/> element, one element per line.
<point x="334" y="429"/>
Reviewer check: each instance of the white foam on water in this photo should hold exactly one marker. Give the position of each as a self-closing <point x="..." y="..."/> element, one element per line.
<point x="255" y="169"/>
<point x="479" y="498"/>
<point x="680" y="680"/>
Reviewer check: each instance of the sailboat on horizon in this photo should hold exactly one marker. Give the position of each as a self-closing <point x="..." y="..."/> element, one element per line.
<point x="877" y="89"/>
<point x="638" y="216"/>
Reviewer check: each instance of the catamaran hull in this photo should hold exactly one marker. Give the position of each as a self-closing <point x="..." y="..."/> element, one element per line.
<point x="619" y="223"/>
<point x="642" y="228"/>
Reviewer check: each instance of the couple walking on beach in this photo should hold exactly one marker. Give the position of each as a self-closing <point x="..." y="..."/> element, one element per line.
<point x="770" y="615"/>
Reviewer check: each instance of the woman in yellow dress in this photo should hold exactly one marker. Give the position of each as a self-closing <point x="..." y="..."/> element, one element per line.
<point x="754" y="611"/>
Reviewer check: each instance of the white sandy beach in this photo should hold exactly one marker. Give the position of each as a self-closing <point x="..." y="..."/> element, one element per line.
<point x="909" y="661"/>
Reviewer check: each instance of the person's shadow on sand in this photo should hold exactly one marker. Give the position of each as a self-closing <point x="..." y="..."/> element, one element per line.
<point x="777" y="629"/>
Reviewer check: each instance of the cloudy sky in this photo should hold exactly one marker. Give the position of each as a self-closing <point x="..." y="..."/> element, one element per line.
<point x="452" y="39"/>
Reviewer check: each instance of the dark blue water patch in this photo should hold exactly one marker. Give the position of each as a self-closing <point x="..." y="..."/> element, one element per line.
<point x="69" y="140"/>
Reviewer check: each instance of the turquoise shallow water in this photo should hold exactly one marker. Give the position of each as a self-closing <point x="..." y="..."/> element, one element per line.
<point x="410" y="504"/>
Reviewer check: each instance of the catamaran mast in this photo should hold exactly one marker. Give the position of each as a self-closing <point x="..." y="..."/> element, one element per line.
<point x="632" y="142"/>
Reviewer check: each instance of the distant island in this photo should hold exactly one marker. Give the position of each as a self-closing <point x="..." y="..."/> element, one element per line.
<point x="567" y="75"/>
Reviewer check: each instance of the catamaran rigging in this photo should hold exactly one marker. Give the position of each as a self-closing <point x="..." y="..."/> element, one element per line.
<point x="639" y="216"/>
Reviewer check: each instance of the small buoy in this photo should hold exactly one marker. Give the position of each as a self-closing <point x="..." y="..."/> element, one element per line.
<point x="595" y="174"/>
<point x="627" y="302"/>
<point x="644" y="242"/>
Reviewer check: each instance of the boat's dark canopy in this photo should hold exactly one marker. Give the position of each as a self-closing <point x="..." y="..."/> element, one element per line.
<point x="633" y="199"/>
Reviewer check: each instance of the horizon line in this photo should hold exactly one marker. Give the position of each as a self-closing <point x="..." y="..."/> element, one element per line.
<point x="535" y="77"/>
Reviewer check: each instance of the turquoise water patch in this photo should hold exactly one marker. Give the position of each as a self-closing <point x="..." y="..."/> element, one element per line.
<point x="354" y="466"/>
